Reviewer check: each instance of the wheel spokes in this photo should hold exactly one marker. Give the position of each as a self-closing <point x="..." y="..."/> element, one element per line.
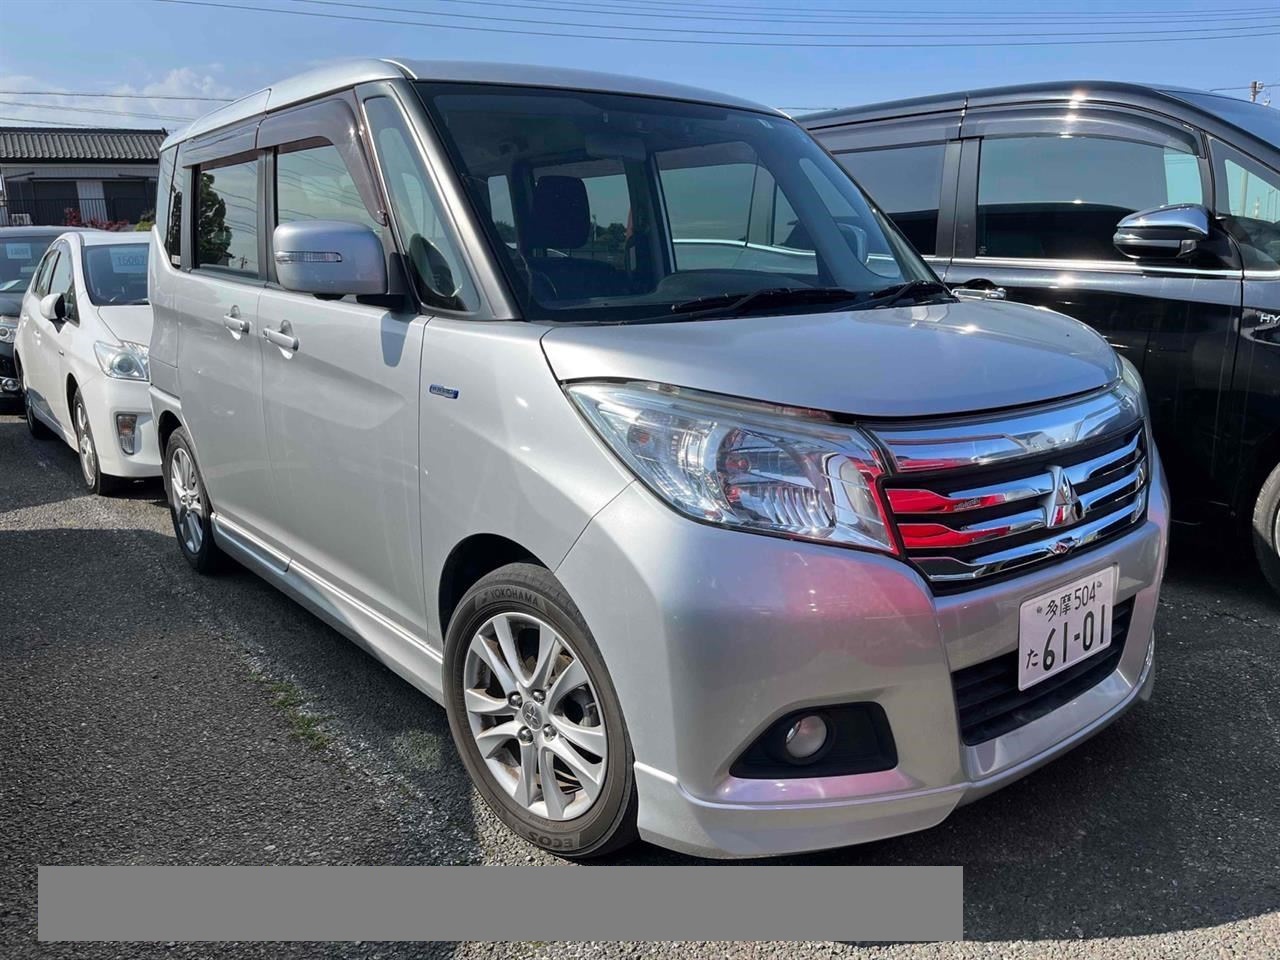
<point x="590" y="739"/>
<point x="493" y="659"/>
<point x="526" y="786"/>
<point x="569" y="679"/>
<point x="481" y="704"/>
<point x="494" y="738"/>
<point x="534" y="716"/>
<point x="588" y="774"/>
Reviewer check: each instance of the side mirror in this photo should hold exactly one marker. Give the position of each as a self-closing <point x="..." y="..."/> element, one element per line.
<point x="1163" y="232"/>
<point x="329" y="258"/>
<point x="53" y="307"/>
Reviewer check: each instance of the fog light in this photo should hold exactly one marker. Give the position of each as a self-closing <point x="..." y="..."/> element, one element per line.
<point x="127" y="431"/>
<point x="10" y="385"/>
<point x="805" y="737"/>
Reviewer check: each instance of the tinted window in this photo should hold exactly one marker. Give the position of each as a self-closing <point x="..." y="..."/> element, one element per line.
<point x="313" y="184"/>
<point x="1249" y="201"/>
<point x="437" y="271"/>
<point x="905" y="182"/>
<point x="1061" y="197"/>
<point x="19" y="257"/>
<point x="227" y="218"/>
<point x="116" y="273"/>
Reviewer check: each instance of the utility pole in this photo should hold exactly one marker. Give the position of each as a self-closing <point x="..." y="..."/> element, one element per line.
<point x="1255" y="89"/>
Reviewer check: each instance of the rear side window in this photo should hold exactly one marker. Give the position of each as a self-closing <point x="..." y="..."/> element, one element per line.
<point x="1061" y="197"/>
<point x="227" y="218"/>
<point x="313" y="183"/>
<point x="905" y="183"/>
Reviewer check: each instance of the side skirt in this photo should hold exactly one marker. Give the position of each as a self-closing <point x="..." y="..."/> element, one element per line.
<point x="409" y="656"/>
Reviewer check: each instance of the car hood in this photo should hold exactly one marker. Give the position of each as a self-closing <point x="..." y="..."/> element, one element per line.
<point x="128" y="323"/>
<point x="890" y="362"/>
<point x="11" y="303"/>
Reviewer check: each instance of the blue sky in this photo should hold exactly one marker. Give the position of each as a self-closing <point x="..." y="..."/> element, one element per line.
<point x="156" y="47"/>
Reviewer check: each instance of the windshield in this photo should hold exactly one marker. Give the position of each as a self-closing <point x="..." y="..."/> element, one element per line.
<point x="1262" y="122"/>
<point x="115" y="274"/>
<point x="609" y="208"/>
<point x="18" y="258"/>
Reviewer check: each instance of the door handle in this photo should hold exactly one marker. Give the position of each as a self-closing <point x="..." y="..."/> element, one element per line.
<point x="979" y="290"/>
<point x="285" y="341"/>
<point x="234" y="323"/>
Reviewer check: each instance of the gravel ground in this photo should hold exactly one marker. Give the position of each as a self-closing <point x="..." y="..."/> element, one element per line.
<point x="148" y="715"/>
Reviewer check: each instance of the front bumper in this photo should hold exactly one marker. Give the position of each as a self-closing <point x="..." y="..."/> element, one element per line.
<point x="10" y="388"/>
<point x="105" y="397"/>
<point x="711" y="635"/>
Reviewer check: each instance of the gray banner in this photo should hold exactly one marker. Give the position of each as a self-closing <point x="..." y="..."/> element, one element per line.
<point x="729" y="902"/>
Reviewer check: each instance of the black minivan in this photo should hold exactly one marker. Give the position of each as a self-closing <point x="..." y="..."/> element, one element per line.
<point x="1151" y="214"/>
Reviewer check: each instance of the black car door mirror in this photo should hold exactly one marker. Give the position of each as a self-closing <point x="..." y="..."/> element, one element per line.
<point x="1163" y="233"/>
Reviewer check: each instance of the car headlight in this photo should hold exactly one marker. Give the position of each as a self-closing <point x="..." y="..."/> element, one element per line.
<point x="8" y="329"/>
<point x="123" y="361"/>
<point x="745" y="465"/>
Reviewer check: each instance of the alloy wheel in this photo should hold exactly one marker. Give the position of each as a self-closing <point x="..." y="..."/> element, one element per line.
<point x="186" y="500"/>
<point x="535" y="716"/>
<point x="84" y="443"/>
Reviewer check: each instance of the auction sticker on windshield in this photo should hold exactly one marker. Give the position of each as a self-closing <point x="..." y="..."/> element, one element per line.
<point x="1057" y="630"/>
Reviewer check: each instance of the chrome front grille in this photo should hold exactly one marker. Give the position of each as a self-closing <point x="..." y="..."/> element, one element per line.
<point x="979" y="499"/>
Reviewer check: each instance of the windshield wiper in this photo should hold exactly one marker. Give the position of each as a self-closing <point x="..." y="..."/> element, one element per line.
<point x="913" y="291"/>
<point x="729" y="304"/>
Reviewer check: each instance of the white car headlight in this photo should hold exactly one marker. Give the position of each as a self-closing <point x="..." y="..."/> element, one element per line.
<point x="123" y="361"/>
<point x="745" y="465"/>
<point x="8" y="329"/>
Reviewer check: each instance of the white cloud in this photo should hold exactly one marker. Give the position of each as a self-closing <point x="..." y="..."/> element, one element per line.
<point x="111" y="112"/>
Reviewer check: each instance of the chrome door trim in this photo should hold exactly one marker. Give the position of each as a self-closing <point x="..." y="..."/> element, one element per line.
<point x="1103" y="266"/>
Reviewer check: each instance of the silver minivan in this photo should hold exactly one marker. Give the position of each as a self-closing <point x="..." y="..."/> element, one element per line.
<point x="614" y="417"/>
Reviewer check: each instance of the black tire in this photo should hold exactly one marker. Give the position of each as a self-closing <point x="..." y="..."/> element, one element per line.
<point x="34" y="424"/>
<point x="205" y="557"/>
<point x="610" y="822"/>
<point x="90" y="466"/>
<point x="1266" y="529"/>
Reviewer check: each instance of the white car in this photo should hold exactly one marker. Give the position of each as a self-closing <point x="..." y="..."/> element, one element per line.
<point x="81" y="354"/>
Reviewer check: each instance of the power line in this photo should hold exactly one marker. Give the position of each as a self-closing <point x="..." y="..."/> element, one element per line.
<point x="113" y="96"/>
<point x="721" y="14"/>
<point x="1272" y="22"/>
<point x="736" y="9"/>
<point x="1234" y="33"/>
<point x="113" y="113"/>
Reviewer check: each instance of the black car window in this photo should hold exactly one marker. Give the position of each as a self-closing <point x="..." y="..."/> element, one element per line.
<point x="906" y="183"/>
<point x="1248" y="200"/>
<point x="1060" y="197"/>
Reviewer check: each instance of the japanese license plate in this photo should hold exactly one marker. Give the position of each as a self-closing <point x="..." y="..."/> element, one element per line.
<point x="1057" y="630"/>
